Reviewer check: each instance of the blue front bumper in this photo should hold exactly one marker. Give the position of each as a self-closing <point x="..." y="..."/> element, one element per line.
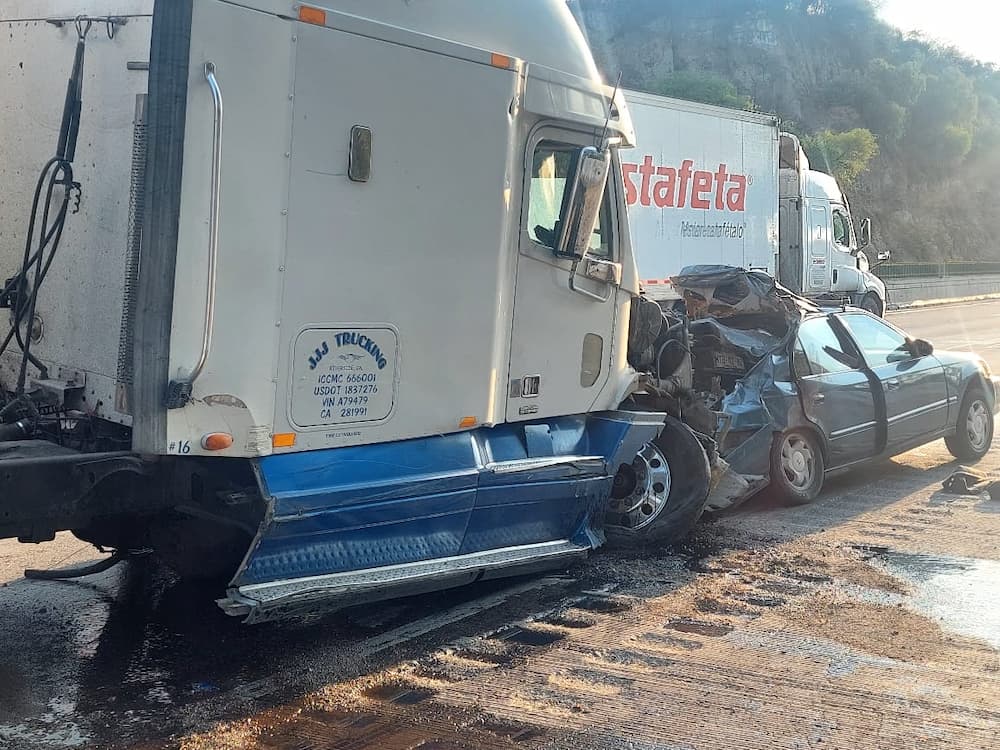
<point x="353" y="518"/>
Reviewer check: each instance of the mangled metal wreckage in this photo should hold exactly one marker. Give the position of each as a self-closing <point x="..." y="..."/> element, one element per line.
<point x="720" y="364"/>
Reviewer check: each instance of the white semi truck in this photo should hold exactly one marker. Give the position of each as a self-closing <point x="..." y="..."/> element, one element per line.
<point x="337" y="299"/>
<point x="711" y="185"/>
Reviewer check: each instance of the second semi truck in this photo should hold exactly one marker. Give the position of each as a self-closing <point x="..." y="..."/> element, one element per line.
<point x="722" y="186"/>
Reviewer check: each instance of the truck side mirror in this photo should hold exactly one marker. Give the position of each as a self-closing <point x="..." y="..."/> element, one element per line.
<point x="866" y="233"/>
<point x="582" y="202"/>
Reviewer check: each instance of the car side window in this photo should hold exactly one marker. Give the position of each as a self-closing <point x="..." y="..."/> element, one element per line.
<point x="822" y="350"/>
<point x="552" y="166"/>
<point x="880" y="343"/>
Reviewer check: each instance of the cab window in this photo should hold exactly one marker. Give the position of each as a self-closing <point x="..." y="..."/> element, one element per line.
<point x="551" y="168"/>
<point x="880" y="343"/>
<point x="819" y="351"/>
<point x="841" y="229"/>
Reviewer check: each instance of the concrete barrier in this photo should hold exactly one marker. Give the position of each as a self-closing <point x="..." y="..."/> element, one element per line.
<point x="922" y="291"/>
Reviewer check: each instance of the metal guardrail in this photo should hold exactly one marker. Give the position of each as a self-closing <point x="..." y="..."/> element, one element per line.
<point x="937" y="270"/>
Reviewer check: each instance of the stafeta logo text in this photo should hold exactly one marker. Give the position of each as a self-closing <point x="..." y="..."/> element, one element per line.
<point x="649" y="184"/>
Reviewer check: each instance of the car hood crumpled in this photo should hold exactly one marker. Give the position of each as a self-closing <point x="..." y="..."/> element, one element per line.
<point x="748" y="314"/>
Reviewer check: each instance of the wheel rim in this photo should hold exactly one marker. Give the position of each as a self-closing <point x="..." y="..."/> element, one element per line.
<point x="641" y="490"/>
<point x="798" y="462"/>
<point x="977" y="425"/>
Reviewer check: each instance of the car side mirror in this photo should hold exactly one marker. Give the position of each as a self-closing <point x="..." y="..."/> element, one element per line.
<point x="921" y="347"/>
<point x="582" y="202"/>
<point x="865" y="233"/>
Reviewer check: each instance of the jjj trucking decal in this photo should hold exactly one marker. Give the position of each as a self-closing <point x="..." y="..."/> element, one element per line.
<point x="343" y="375"/>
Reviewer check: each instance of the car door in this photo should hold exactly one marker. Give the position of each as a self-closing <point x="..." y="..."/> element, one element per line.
<point x="915" y="390"/>
<point x="836" y="391"/>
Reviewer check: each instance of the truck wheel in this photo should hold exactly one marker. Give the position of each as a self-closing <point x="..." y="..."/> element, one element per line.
<point x="659" y="496"/>
<point x="975" y="428"/>
<point x="871" y="303"/>
<point x="797" y="466"/>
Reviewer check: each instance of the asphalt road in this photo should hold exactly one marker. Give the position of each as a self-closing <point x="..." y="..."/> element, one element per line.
<point x="970" y="326"/>
<point x="867" y="619"/>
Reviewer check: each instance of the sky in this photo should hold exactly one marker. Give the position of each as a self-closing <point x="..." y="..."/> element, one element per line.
<point x="970" y="25"/>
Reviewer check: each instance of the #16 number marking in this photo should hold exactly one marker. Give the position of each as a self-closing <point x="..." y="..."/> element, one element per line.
<point x="182" y="447"/>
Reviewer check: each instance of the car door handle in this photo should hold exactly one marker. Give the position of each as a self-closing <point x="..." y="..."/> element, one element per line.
<point x="892" y="384"/>
<point x="819" y="398"/>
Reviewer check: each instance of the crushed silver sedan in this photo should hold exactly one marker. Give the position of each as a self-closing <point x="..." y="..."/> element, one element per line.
<point x="788" y="391"/>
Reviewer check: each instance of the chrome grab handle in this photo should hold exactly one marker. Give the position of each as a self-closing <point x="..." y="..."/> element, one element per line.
<point x="213" y="224"/>
<point x="610" y="265"/>
<point x="179" y="391"/>
<point x="892" y="384"/>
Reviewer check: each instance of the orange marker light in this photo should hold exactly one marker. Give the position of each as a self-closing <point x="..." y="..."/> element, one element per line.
<point x="312" y="15"/>
<point x="283" y="440"/>
<point x="467" y="422"/>
<point x="501" y="61"/>
<point x="217" y="441"/>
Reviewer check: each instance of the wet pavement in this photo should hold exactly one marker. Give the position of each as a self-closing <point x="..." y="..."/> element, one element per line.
<point x="868" y="619"/>
<point x="961" y="593"/>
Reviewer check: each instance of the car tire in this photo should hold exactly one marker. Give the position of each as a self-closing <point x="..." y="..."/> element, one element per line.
<point x="871" y="303"/>
<point x="974" y="435"/>
<point x="659" y="497"/>
<point x="797" y="466"/>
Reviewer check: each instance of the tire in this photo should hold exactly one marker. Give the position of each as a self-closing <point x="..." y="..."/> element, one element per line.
<point x="659" y="497"/>
<point x="871" y="303"/>
<point x="797" y="466"/>
<point x="974" y="435"/>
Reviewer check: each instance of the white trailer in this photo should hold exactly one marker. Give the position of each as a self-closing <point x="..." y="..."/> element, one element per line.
<point x="711" y="185"/>
<point x="347" y="303"/>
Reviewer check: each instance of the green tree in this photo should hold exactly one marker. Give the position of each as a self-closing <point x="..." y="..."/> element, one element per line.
<point x="700" y="86"/>
<point x="844" y="155"/>
<point x="943" y="120"/>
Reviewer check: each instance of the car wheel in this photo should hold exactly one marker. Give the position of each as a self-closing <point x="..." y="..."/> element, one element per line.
<point x="661" y="495"/>
<point x="975" y="428"/>
<point x="871" y="303"/>
<point x="797" y="466"/>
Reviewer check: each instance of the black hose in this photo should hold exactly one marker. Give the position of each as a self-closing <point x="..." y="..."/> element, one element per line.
<point x="62" y="574"/>
<point x="42" y="268"/>
<point x="668" y="341"/>
<point x="57" y="172"/>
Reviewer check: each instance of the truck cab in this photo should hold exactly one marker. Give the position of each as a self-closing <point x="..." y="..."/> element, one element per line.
<point x="363" y="328"/>
<point x="821" y="252"/>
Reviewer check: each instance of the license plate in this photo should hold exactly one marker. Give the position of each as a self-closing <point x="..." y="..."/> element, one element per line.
<point x="727" y="361"/>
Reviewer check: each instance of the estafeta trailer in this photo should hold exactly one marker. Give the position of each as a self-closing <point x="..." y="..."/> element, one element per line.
<point x="712" y="185"/>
